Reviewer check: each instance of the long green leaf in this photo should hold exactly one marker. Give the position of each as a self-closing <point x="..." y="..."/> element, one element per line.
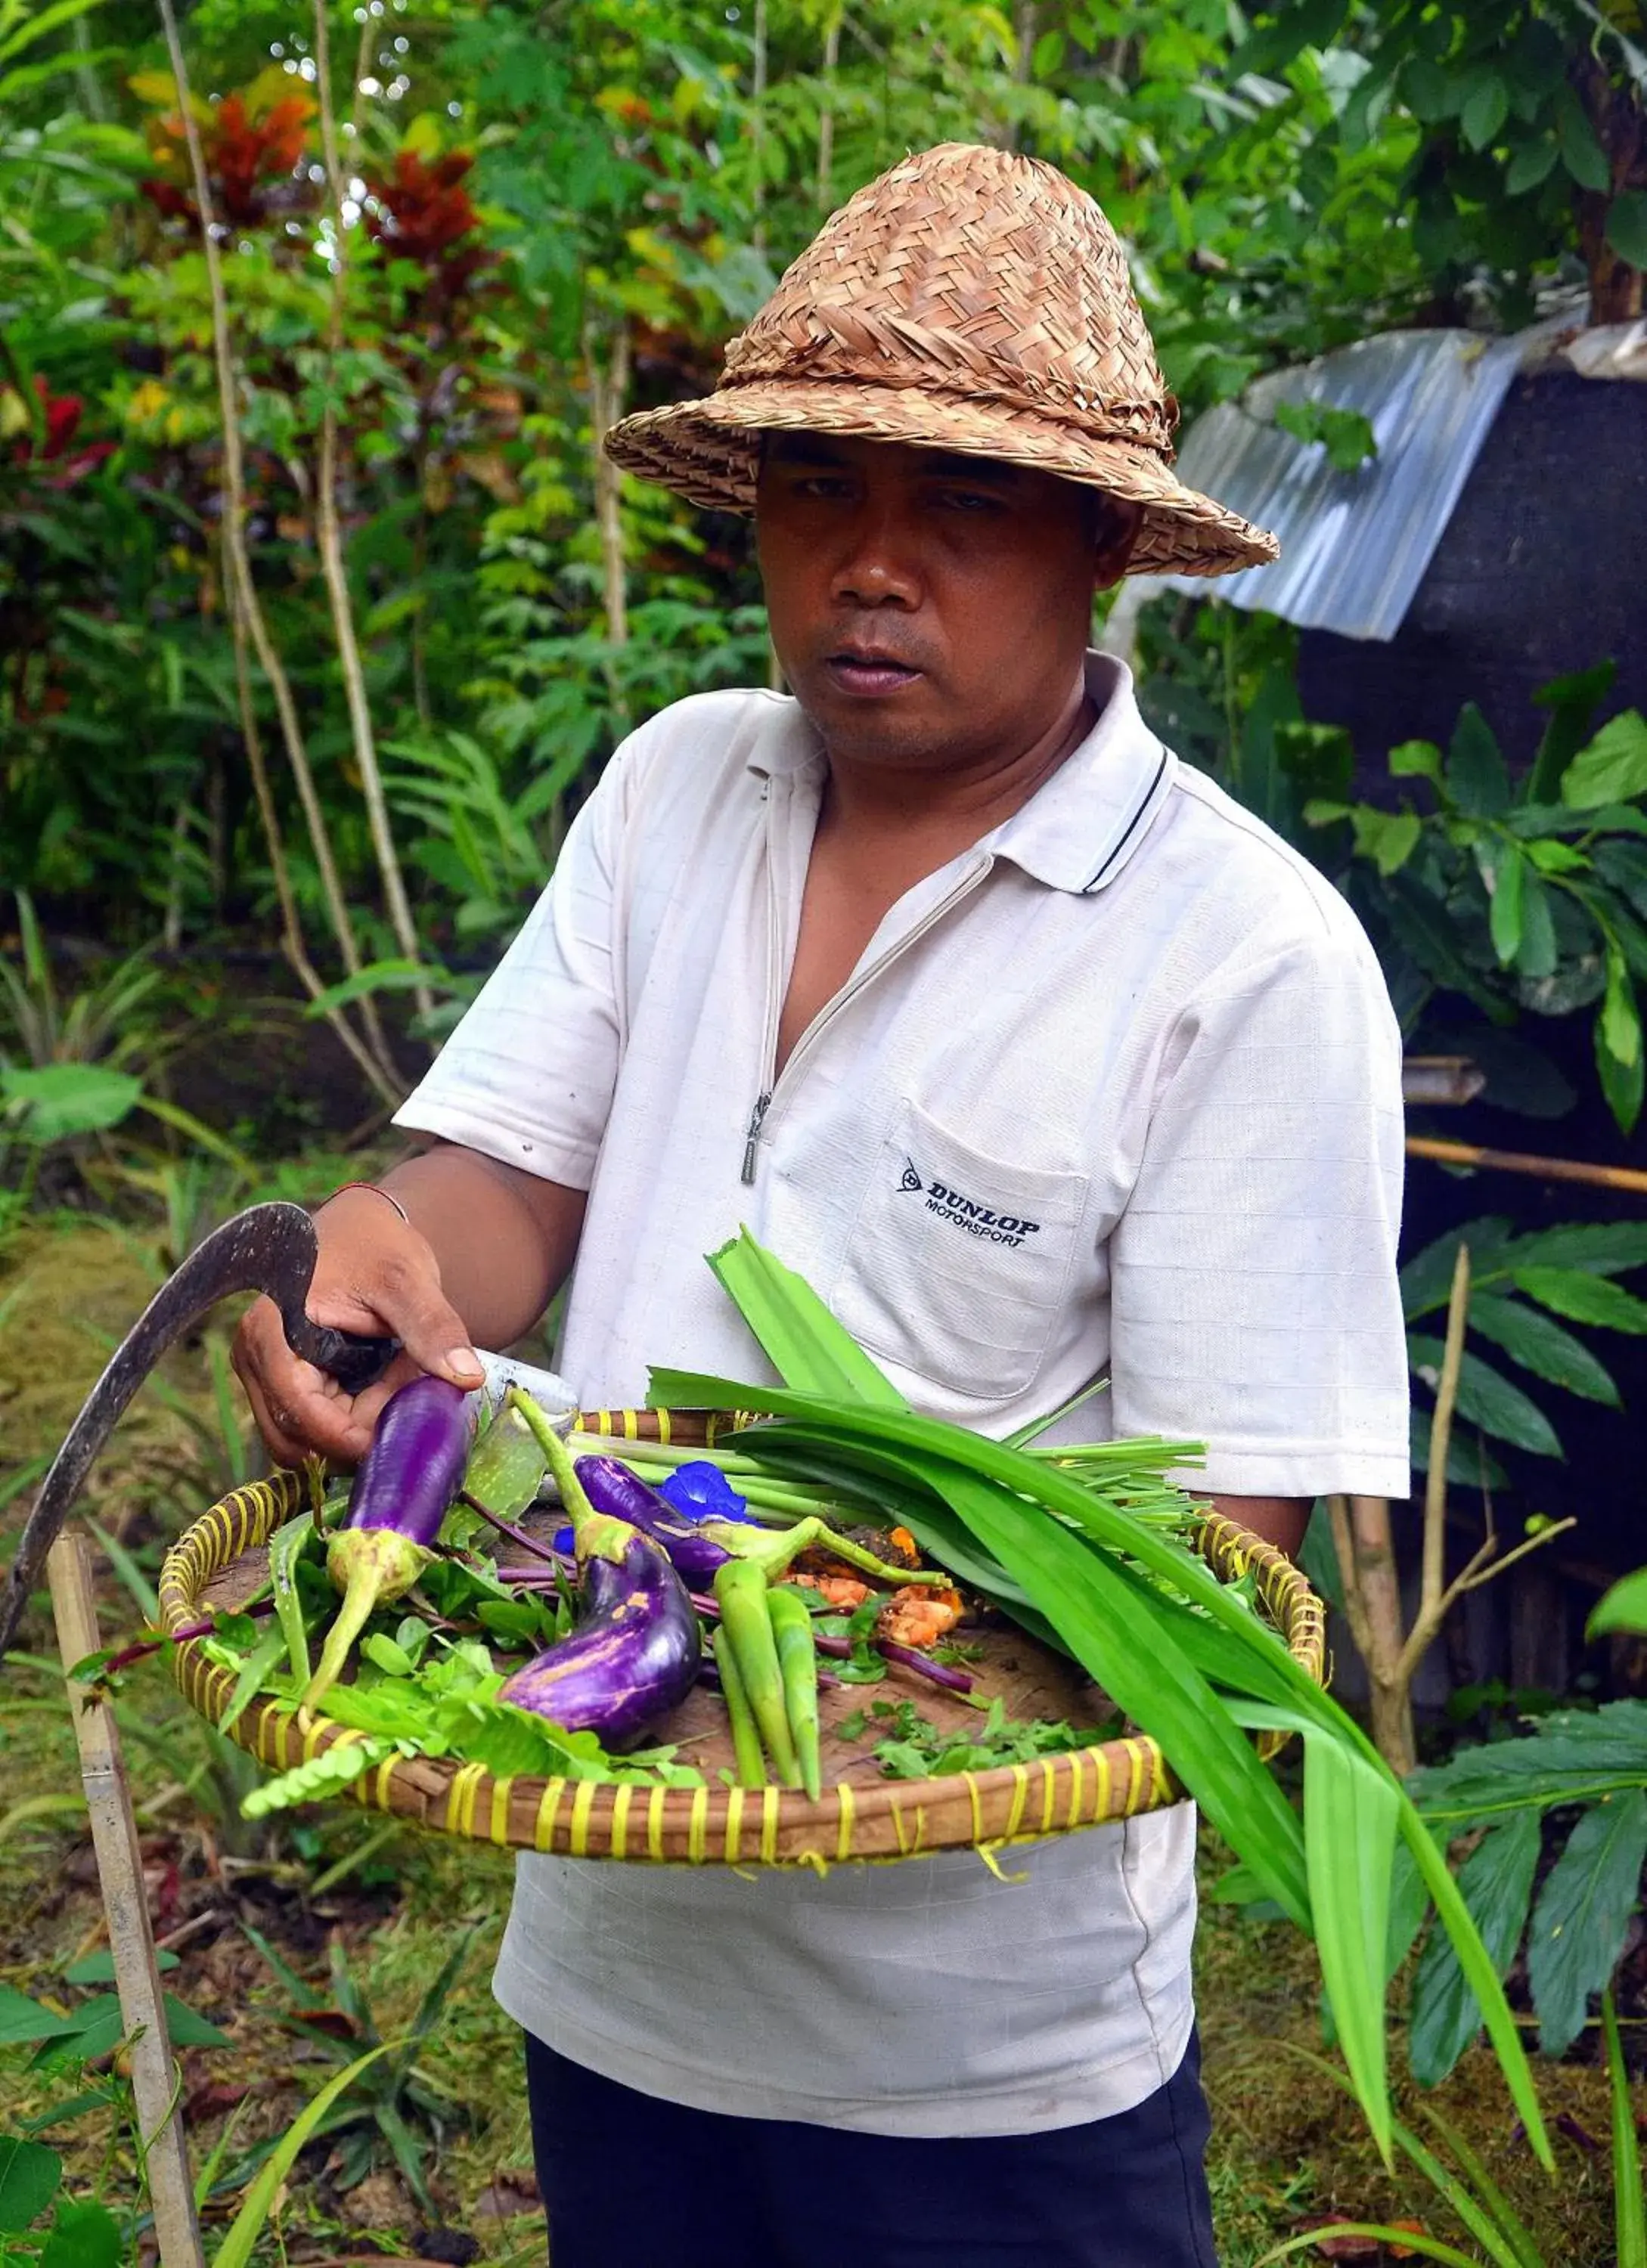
<point x="1488" y="2194"/>
<point x="1411" y="2240"/>
<point x="1629" y="2210"/>
<point x="799" y="1337"/>
<point x="1482" y="1978"/>
<point x="972" y="1458"/>
<point x="1349" y="1836"/>
<point x="236" y="2247"/>
<point x="1543" y="1346"/>
<point x="1500" y="2242"/>
<point x="1496" y="1881"/>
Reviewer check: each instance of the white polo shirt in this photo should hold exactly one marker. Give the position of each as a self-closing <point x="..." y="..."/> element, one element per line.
<point x="1117" y="1090"/>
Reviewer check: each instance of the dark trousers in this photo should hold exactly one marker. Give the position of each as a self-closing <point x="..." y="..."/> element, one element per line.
<point x="631" y="2182"/>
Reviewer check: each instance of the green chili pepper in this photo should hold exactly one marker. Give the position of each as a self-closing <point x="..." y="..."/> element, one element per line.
<point x="798" y="1665"/>
<point x="746" y="1740"/>
<point x="741" y="1592"/>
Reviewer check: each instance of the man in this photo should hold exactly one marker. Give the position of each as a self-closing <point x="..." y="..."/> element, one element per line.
<point x="946" y="941"/>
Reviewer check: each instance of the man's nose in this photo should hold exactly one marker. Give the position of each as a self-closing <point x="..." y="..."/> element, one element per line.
<point x="877" y="566"/>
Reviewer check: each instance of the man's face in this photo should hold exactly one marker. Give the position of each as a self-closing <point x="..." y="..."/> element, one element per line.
<point x="930" y="610"/>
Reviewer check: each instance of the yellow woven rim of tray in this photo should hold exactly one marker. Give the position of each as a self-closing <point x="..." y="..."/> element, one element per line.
<point x="706" y="1826"/>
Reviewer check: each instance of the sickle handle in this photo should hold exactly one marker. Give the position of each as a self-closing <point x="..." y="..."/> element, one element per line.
<point x="268" y="1248"/>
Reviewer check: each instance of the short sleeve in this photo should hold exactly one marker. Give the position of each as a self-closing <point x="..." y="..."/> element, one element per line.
<point x="527" y="1075"/>
<point x="1254" y="1300"/>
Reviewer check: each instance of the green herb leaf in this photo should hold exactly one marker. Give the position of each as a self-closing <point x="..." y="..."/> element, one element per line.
<point x="29" y="2175"/>
<point x="1583" y="1912"/>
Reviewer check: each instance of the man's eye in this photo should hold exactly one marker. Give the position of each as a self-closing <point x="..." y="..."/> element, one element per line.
<point x="822" y="484"/>
<point x="967" y="500"/>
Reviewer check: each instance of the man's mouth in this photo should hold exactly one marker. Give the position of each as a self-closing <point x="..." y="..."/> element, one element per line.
<point x="868" y="671"/>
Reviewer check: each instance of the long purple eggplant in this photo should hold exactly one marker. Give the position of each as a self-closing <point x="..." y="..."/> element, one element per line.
<point x="635" y="1653"/>
<point x="700" y="1548"/>
<point x="404" y="1483"/>
<point x="692" y="1545"/>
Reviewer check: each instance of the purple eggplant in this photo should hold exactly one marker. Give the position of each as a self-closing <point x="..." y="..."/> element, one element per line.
<point x="636" y="1650"/>
<point x="700" y="1548"/>
<point x="407" y="1478"/>
<point x="634" y="1654"/>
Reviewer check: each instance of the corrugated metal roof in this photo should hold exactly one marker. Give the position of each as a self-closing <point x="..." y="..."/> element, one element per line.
<point x="1354" y="545"/>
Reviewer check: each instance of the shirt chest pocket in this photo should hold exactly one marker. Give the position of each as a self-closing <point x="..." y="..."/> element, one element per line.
<point x="958" y="1262"/>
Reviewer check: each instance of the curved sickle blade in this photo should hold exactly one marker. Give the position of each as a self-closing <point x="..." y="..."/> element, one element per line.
<point x="268" y="1248"/>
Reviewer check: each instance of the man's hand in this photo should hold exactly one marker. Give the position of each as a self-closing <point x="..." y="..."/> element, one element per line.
<point x="486" y="1248"/>
<point x="374" y="1274"/>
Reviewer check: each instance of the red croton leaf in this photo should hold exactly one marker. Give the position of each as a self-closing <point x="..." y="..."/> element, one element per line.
<point x="425" y="207"/>
<point x="251" y="146"/>
<point x="61" y="413"/>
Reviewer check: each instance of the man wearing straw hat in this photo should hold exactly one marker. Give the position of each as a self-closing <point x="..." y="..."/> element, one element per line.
<point x="1043" y="1061"/>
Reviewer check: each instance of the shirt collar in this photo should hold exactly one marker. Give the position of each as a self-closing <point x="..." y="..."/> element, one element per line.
<point x="1078" y="830"/>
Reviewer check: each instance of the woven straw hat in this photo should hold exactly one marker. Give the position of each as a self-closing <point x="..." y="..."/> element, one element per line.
<point x="969" y="300"/>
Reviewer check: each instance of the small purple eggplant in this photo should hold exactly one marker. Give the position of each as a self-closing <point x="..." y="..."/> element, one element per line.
<point x="407" y="1478"/>
<point x="634" y="1654"/>
<point x="636" y="1650"/>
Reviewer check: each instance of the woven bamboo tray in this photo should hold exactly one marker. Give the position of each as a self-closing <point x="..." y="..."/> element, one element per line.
<point x="219" y="1560"/>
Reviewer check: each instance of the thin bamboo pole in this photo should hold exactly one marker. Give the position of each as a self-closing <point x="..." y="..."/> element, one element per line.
<point x="156" y="2083"/>
<point x="1364" y="1542"/>
<point x="329" y="536"/>
<point x="826" y="113"/>
<point x="1521" y="1161"/>
<point x="242" y="591"/>
<point x="608" y="388"/>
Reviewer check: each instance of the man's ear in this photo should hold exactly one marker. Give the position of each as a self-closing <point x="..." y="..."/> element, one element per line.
<point x="1117" y="541"/>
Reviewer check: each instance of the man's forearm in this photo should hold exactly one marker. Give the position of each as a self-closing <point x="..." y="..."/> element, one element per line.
<point x="1279" y="1520"/>
<point x="505" y="1239"/>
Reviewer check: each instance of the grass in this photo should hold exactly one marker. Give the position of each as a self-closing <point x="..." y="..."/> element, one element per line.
<point x="1286" y="2144"/>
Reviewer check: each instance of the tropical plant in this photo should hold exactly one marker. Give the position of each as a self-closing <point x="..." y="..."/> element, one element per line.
<point x="1520" y="1283"/>
<point x="1529" y="144"/>
<point x="1465" y="2188"/>
<point x="1577" y="1782"/>
<point x="1520" y="895"/>
<point x="382" y="2102"/>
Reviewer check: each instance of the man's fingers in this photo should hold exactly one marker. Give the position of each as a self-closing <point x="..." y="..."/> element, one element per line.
<point x="430" y="1330"/>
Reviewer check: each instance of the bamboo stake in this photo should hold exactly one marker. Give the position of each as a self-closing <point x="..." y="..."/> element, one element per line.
<point x="329" y="536"/>
<point x="244" y="600"/>
<point x="607" y="387"/>
<point x="826" y="112"/>
<point x="156" y="2084"/>
<point x="757" y="129"/>
<point x="1364" y="1542"/>
<point x="292" y="941"/>
<point x="1521" y="1161"/>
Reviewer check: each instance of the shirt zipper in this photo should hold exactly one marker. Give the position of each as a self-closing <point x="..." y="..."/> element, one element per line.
<point x="967" y="882"/>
